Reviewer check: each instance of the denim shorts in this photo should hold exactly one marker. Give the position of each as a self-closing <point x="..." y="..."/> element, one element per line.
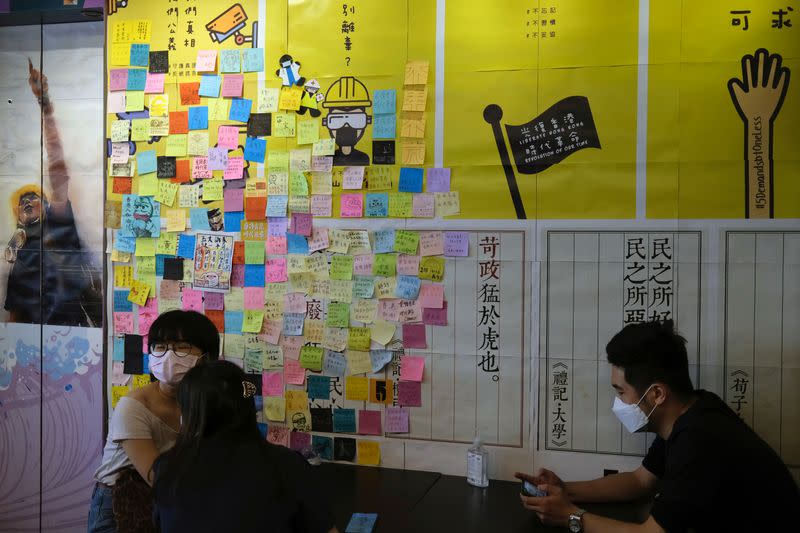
<point x="101" y="511"/>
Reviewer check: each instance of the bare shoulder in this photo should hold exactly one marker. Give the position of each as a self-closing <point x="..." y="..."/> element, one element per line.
<point x="144" y="394"/>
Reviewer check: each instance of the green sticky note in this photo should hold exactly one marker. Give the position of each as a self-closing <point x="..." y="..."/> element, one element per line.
<point x="176" y="144"/>
<point x="254" y="252"/>
<point x="311" y="358"/>
<point x="358" y="339"/>
<point x="384" y="265"/>
<point x="298" y="184"/>
<point x="307" y="131"/>
<point x="278" y="160"/>
<point x="341" y="267"/>
<point x="134" y="101"/>
<point x="406" y="242"/>
<point x="252" y="321"/>
<point x="338" y="315"/>
<point x="148" y="185"/>
<point x="140" y="129"/>
<point x="146" y="247"/>
<point x="401" y="204"/>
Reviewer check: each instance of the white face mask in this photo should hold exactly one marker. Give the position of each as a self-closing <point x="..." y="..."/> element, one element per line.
<point x="170" y="369"/>
<point x="630" y="414"/>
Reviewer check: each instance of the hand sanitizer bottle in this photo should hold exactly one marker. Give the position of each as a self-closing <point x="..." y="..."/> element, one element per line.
<point x="477" y="464"/>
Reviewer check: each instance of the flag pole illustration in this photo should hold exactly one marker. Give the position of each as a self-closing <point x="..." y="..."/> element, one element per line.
<point x="492" y="114"/>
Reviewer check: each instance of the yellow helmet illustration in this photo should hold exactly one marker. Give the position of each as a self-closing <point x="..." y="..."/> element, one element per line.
<point x="13" y="200"/>
<point x="347" y="92"/>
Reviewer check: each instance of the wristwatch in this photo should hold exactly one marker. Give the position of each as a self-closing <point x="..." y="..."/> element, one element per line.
<point x="576" y="521"/>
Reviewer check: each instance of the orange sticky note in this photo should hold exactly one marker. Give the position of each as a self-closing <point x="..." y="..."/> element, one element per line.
<point x="178" y="122"/>
<point x="122" y="185"/>
<point x="190" y="93"/>
<point x="255" y="207"/>
<point x="238" y="252"/>
<point x="183" y="171"/>
<point x="217" y="317"/>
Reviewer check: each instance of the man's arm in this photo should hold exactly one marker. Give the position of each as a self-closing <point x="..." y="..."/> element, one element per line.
<point x="593" y="523"/>
<point x="626" y="486"/>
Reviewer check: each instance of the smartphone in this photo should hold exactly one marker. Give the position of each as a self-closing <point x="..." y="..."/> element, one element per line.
<point x="529" y="489"/>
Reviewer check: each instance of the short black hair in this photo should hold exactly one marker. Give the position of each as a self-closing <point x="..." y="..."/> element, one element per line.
<point x="188" y="326"/>
<point x="652" y="352"/>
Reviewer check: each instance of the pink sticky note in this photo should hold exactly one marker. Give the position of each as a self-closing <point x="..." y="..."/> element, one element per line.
<point x="154" y="83"/>
<point x="234" y="199"/>
<point x="115" y="103"/>
<point x="431" y="243"/>
<point x="321" y="205"/>
<point x="423" y="205"/>
<point x="362" y="265"/>
<point x="272" y="383"/>
<point x="291" y="346"/>
<point x="232" y="85"/>
<point x="254" y="298"/>
<point x="299" y="440"/>
<point x="301" y="224"/>
<point x="235" y="169"/>
<point x="353" y="178"/>
<point x="408" y="265"/>
<point x="214" y="301"/>
<point x="271" y="331"/>
<point x="276" y="245"/>
<point x="228" y="137"/>
<point x="410" y="311"/>
<point x="352" y="205"/>
<point x="431" y="295"/>
<point x="192" y="300"/>
<point x="438" y="180"/>
<point x="435" y="317"/>
<point x="294" y="302"/>
<point x="206" y="61"/>
<point x="278" y="435"/>
<point x="369" y="422"/>
<point x="456" y="244"/>
<point x="237" y="275"/>
<point x="319" y="239"/>
<point x="389" y="309"/>
<point x="411" y="367"/>
<point x="396" y="420"/>
<point x="276" y="270"/>
<point x="293" y="372"/>
<point x="123" y="322"/>
<point x="409" y="393"/>
<point x="145" y="321"/>
<point x="118" y="79"/>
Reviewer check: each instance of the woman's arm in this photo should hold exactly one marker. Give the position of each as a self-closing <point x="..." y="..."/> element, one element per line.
<point x="142" y="453"/>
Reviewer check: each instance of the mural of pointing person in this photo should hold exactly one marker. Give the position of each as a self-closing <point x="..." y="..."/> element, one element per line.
<point x="347" y="101"/>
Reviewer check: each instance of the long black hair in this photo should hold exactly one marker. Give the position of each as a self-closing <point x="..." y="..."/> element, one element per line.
<point x="187" y="326"/>
<point x="214" y="406"/>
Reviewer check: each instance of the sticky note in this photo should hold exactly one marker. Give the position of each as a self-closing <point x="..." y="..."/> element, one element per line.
<point x="344" y="420"/>
<point x="359" y="362"/>
<point x="416" y="73"/>
<point x="198" y="118"/>
<point x="406" y="242"/>
<point x="232" y="86"/>
<point x="431" y="268"/>
<point x="363" y="522"/>
<point x="431" y="295"/>
<point x="415" y="99"/>
<point x="259" y="125"/>
<point x="275" y="408"/>
<point x="159" y="62"/>
<point x="358" y="339"/>
<point x="176" y="145"/>
<point x="411" y="367"/>
<point x="410" y="179"/>
<point x="255" y="149"/>
<point x="435" y="316"/>
<point x="352" y="205"/>
<point x="384" y="101"/>
<point x="341" y="267"/>
<point x="384" y="265"/>
<point x="356" y="388"/>
<point x="290" y="98"/>
<point x="409" y="393"/>
<point x="206" y="61"/>
<point x="384" y="126"/>
<point x="369" y="422"/>
<point x="234" y="168"/>
<point x="252" y="60"/>
<point x="307" y="131"/>
<point x="154" y="83"/>
<point x="353" y="178"/>
<point x="407" y="287"/>
<point x="456" y="244"/>
<point x="431" y="243"/>
<point x="134" y="101"/>
<point x="240" y="109"/>
<point x="447" y="204"/>
<point x="338" y="315"/>
<point x="423" y="205"/>
<point x="396" y="420"/>
<point x="228" y="137"/>
<point x="268" y="99"/>
<point x="210" y="85"/>
<point x="311" y="358"/>
<point x="284" y="125"/>
<point x="400" y="205"/>
<point x="229" y="61"/>
<point x="323" y="147"/>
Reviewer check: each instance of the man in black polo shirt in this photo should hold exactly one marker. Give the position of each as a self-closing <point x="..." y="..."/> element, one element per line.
<point x="707" y="469"/>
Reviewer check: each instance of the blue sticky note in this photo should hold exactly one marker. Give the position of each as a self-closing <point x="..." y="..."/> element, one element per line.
<point x="137" y="78"/>
<point x="252" y="60"/>
<point x="263" y="428"/>
<point x="121" y="303"/>
<point x="344" y="420"/>
<point x="384" y="241"/>
<point x="384" y="101"/>
<point x="233" y="321"/>
<point x="293" y="324"/>
<point x="229" y="61"/>
<point x="276" y="205"/>
<point x="410" y="179"/>
<point x="160" y="264"/>
<point x="233" y="220"/>
<point x="377" y="205"/>
<point x="186" y="245"/>
<point x="119" y="348"/>
<point x="146" y="162"/>
<point x="210" y="85"/>
<point x="198" y="117"/>
<point x="384" y="126"/>
<point x="255" y="149"/>
<point x="259" y="401"/>
<point x="361" y="523"/>
<point x="380" y="358"/>
<point x="296" y="244"/>
<point x="199" y="219"/>
<point x="140" y="55"/>
<point x="319" y="387"/>
<point x="334" y="363"/>
<point x="240" y="109"/>
<point x="407" y="287"/>
<point x="254" y="275"/>
<point x="323" y="446"/>
<point x="125" y="244"/>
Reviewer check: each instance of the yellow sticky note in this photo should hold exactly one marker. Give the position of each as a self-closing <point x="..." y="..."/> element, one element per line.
<point x="313" y="330"/>
<point x="363" y="310"/>
<point x="176" y="145"/>
<point x="145" y="247"/>
<point x="120" y="130"/>
<point x="252" y="321"/>
<point x="358" y="362"/>
<point x="138" y="293"/>
<point x="117" y="393"/>
<point x="268" y="100"/>
<point x="131" y="31"/>
<point x="290" y="98"/>
<point x="275" y="408"/>
<point x="358" y="339"/>
<point x="120" y="54"/>
<point x="321" y="183"/>
<point x="401" y="204"/>
<point x="148" y="185"/>
<point x="140" y="381"/>
<point x="447" y="204"/>
<point x="431" y="268"/>
<point x="296" y="400"/>
<point x="283" y="124"/>
<point x="217" y="109"/>
<point x="123" y="276"/>
<point x="140" y="129"/>
<point x="414" y="99"/>
<point x="120" y="257"/>
<point x="134" y="101"/>
<point x="307" y="131"/>
<point x="379" y="178"/>
<point x="159" y="105"/>
<point x="385" y="287"/>
<point x="382" y="332"/>
<point x="167" y="243"/>
<point x="416" y="73"/>
<point x="356" y="388"/>
<point x="413" y="126"/>
<point x="323" y="147"/>
<point x="166" y="192"/>
<point x="413" y="152"/>
<point x="197" y="143"/>
<point x="212" y="189"/>
<point x="176" y="220"/>
<point x="369" y="452"/>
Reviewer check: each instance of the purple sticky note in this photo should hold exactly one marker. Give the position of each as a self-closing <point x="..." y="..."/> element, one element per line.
<point x="409" y="393"/>
<point x="234" y="199"/>
<point x="396" y="420"/>
<point x="118" y="79"/>
<point x="299" y="440"/>
<point x="91" y="4"/>
<point x="277" y="226"/>
<point x="369" y="422"/>
<point x="214" y="301"/>
<point x="456" y="244"/>
<point x="217" y="158"/>
<point x="301" y="224"/>
<point x="435" y="317"/>
<point x="414" y="336"/>
<point x="438" y="180"/>
<point x="237" y="275"/>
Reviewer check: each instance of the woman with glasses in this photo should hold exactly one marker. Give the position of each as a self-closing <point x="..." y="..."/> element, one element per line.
<point x="146" y="423"/>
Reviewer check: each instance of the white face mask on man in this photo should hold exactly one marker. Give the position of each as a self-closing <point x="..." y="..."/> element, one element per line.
<point x="631" y="415"/>
<point x="170" y="368"/>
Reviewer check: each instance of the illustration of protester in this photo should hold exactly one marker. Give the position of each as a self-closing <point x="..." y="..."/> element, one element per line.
<point x="53" y="280"/>
<point x="758" y="98"/>
<point x="310" y="99"/>
<point x="347" y="101"/>
<point x="144" y="224"/>
<point x="289" y="73"/>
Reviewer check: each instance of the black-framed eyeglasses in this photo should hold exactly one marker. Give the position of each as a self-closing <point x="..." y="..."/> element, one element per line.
<point x="181" y="349"/>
